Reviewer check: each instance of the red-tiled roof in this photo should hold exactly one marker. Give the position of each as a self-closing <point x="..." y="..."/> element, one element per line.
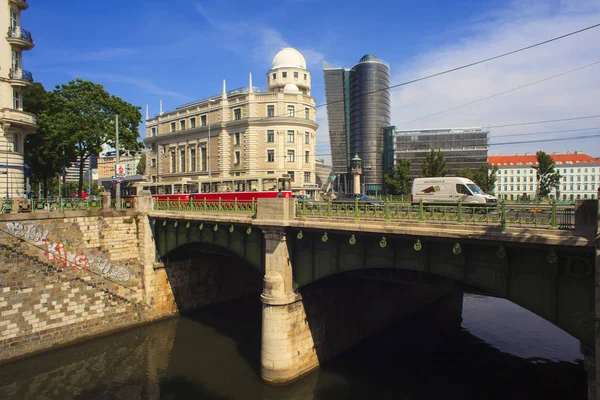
<point x="559" y="159"/>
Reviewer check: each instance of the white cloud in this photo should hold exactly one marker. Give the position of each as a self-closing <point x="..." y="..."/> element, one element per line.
<point x="523" y="23"/>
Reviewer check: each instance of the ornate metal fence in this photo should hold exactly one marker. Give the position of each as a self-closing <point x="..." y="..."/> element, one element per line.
<point x="236" y="206"/>
<point x="503" y="215"/>
<point x="50" y="205"/>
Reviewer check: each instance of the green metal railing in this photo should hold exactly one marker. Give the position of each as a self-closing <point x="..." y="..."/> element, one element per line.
<point x="126" y="203"/>
<point x="220" y="206"/>
<point x="502" y="215"/>
<point x="59" y="204"/>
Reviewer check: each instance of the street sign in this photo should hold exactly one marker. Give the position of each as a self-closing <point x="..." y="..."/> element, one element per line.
<point x="121" y="170"/>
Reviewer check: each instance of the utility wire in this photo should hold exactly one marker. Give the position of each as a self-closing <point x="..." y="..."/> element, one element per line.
<point x="501" y="93"/>
<point x="473" y="63"/>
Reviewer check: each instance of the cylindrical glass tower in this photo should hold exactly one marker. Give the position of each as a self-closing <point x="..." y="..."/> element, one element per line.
<point x="369" y="114"/>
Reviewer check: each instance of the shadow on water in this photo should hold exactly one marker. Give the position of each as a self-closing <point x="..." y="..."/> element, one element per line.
<point x="215" y="354"/>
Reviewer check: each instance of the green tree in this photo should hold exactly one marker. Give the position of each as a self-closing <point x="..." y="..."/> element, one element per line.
<point x="84" y="112"/>
<point x="485" y="177"/>
<point x="465" y="173"/>
<point x="434" y="164"/>
<point x="141" y="167"/>
<point x="397" y="180"/>
<point x="45" y="152"/>
<point x="548" y="178"/>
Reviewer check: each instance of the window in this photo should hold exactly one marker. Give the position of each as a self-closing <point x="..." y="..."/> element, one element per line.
<point x="270" y="111"/>
<point x="290" y="155"/>
<point x="292" y="176"/>
<point x="270" y="136"/>
<point x="237" y="114"/>
<point x="153" y="163"/>
<point x="203" y="159"/>
<point x="153" y="147"/>
<point x="192" y="159"/>
<point x="295" y="74"/>
<point x="14" y="22"/>
<point x="154" y="179"/>
<point x="15" y="60"/>
<point x="16" y="100"/>
<point x="172" y="126"/>
<point x="182" y="125"/>
<point x="153" y="131"/>
<point x="236" y="139"/>
<point x="307" y="113"/>
<point x="462" y="189"/>
<point x="307" y="177"/>
<point x="173" y="162"/>
<point x="304" y="76"/>
<point x="274" y="76"/>
<point x="182" y="160"/>
<point x="290" y="136"/>
<point x="270" y="155"/>
<point x="193" y="122"/>
<point x="290" y="111"/>
<point x="237" y="158"/>
<point x="284" y="74"/>
<point x="16" y="141"/>
<point x="203" y="120"/>
<point x="306" y="156"/>
<point x="306" y="137"/>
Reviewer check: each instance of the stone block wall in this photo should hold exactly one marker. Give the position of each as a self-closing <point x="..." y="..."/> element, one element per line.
<point x="66" y="278"/>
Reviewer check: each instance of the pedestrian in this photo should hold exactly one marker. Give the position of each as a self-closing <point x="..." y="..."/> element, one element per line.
<point x="279" y="194"/>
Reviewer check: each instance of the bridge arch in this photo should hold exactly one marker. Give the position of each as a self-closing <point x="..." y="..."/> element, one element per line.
<point x="554" y="283"/>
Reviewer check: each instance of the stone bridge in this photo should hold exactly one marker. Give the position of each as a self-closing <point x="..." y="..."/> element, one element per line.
<point x="326" y="281"/>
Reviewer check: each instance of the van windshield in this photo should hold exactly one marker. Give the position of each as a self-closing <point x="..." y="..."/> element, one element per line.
<point x="474" y="188"/>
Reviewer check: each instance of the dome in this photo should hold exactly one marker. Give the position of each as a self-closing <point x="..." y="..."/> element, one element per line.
<point x="289" y="57"/>
<point x="291" y="87"/>
<point x="368" y="57"/>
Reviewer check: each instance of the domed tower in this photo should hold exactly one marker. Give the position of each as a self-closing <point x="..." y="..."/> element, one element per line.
<point x="288" y="73"/>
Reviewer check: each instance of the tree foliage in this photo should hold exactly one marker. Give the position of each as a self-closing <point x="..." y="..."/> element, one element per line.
<point x="485" y="177"/>
<point x="83" y="113"/>
<point x="46" y="152"/>
<point x="397" y="180"/>
<point x="548" y="178"/>
<point x="141" y="167"/>
<point x="465" y="173"/>
<point x="434" y="164"/>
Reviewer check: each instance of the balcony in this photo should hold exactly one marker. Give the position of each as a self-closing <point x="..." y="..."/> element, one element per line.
<point x="21" y="4"/>
<point x="20" y="77"/>
<point x="20" y="37"/>
<point x="20" y="119"/>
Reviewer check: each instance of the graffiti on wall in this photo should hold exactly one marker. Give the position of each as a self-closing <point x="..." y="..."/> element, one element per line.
<point x="68" y="255"/>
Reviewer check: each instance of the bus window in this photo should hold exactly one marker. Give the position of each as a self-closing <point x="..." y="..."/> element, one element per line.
<point x="284" y="184"/>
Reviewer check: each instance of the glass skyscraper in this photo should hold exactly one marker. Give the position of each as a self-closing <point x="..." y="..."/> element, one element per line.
<point x="358" y="110"/>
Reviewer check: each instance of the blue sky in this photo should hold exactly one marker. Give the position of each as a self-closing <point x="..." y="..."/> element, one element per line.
<point x="179" y="51"/>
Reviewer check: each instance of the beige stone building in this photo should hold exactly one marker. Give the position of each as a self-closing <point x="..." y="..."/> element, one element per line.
<point x="106" y="165"/>
<point x="243" y="133"/>
<point x="15" y="124"/>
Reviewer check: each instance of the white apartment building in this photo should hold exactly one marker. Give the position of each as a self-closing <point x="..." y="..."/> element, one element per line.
<point x="15" y="124"/>
<point x="517" y="177"/>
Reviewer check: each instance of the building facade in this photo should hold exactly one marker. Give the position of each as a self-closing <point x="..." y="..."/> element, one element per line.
<point x="516" y="177"/>
<point x="462" y="147"/>
<point x="244" y="132"/>
<point x="15" y="124"/>
<point x="358" y="110"/>
<point x="107" y="164"/>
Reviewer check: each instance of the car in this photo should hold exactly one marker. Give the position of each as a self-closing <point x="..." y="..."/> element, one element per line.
<point x="304" y="198"/>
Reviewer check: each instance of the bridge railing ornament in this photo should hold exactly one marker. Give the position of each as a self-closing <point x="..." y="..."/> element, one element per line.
<point x="503" y="215"/>
<point x="220" y="206"/>
<point x="57" y="205"/>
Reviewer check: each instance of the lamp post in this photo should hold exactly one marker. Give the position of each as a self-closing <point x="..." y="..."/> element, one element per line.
<point x="7" y="194"/>
<point x="118" y="188"/>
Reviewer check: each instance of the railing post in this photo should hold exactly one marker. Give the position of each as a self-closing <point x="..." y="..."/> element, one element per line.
<point x="356" y="215"/>
<point x="387" y="210"/>
<point x="553" y="224"/>
<point x="329" y="209"/>
<point x="303" y="207"/>
<point x="421" y="212"/>
<point x="220" y="206"/>
<point x="503" y="214"/>
<point x="179" y="203"/>
<point x="205" y="205"/>
<point x="460" y="219"/>
<point x="253" y="207"/>
<point x="235" y="205"/>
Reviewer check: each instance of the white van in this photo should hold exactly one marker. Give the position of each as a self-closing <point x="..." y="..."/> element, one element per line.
<point x="449" y="190"/>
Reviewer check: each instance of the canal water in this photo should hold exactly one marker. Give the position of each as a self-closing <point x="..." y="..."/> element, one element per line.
<point x="500" y="352"/>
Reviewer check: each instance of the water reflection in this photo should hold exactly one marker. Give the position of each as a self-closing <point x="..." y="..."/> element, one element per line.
<point x="215" y="354"/>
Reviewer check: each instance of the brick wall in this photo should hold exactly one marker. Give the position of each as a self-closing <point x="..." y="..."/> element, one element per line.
<point x="64" y="279"/>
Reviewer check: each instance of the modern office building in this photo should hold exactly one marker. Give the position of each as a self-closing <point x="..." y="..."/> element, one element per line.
<point x="462" y="147"/>
<point x="358" y="110"/>
<point x="246" y="132"/>
<point x="517" y="178"/>
<point x="15" y="124"/>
